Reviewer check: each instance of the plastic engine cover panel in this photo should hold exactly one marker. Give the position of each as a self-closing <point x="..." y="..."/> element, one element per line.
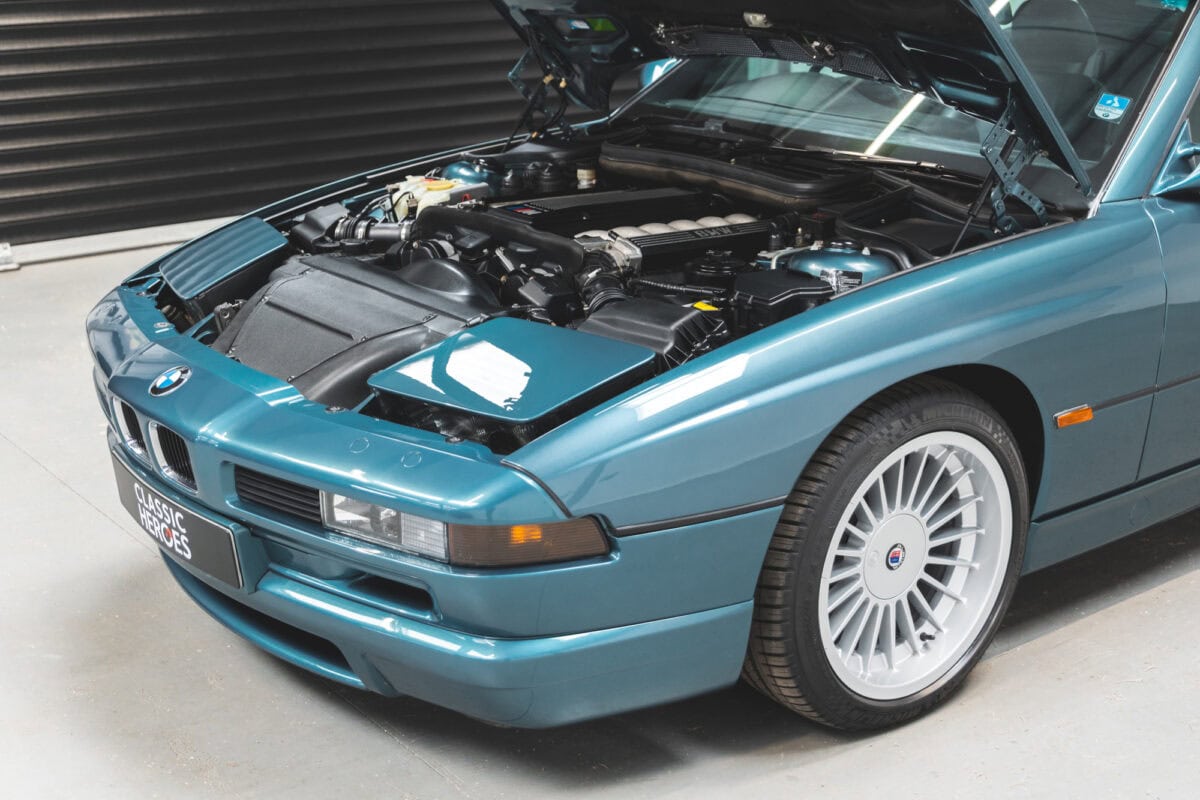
<point x="515" y="370"/>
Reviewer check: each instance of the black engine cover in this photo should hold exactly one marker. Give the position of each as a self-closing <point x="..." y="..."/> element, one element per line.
<point x="326" y="323"/>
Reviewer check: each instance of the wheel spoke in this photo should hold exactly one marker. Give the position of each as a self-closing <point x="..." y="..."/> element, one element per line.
<point x="924" y="609"/>
<point x="872" y="639"/>
<point x="941" y="587"/>
<point x="850" y="615"/>
<point x="852" y="590"/>
<point x="908" y="627"/>
<point x="923" y="458"/>
<point x="899" y="483"/>
<point x="881" y="485"/>
<point x="846" y="552"/>
<point x="852" y="643"/>
<point x="955" y="479"/>
<point x="842" y="574"/>
<point x="961" y="507"/>
<point x="888" y="629"/>
<point x="954" y="536"/>
<point x="866" y="506"/>
<point x="855" y="532"/>
<point x="943" y="463"/>
<point x="951" y="561"/>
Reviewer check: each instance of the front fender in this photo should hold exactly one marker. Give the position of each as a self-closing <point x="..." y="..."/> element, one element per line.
<point x="1074" y="311"/>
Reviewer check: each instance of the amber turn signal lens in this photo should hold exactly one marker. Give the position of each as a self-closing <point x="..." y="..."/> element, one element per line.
<point x="1074" y="416"/>
<point x="524" y="534"/>
<point x="517" y="545"/>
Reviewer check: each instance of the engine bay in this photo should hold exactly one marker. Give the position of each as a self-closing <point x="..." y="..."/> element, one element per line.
<point x="628" y="238"/>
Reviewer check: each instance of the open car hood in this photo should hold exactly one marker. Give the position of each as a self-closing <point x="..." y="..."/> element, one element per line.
<point x="953" y="50"/>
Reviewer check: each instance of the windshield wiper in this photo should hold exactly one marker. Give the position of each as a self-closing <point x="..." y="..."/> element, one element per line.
<point x="708" y="128"/>
<point x="887" y="163"/>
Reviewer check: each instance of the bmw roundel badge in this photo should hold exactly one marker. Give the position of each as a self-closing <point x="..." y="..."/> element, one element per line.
<point x="169" y="381"/>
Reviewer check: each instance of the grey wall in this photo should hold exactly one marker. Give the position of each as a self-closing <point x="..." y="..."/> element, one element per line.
<point x="127" y="113"/>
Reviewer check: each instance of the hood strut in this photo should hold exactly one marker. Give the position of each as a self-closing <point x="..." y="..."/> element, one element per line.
<point x="1009" y="148"/>
<point x="537" y="98"/>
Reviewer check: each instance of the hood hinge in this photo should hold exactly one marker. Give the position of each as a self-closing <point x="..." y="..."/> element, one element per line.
<point x="1009" y="148"/>
<point x="516" y="74"/>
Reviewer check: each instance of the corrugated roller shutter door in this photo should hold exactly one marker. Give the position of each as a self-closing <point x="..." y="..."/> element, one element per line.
<point x="130" y="113"/>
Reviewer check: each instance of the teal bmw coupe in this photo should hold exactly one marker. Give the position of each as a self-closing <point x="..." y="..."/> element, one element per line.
<point x="785" y="369"/>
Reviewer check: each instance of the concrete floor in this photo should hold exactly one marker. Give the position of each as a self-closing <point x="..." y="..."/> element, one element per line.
<point x="115" y="685"/>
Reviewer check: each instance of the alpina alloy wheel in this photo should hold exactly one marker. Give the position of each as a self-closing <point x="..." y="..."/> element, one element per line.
<point x="894" y="560"/>
<point x="915" y="565"/>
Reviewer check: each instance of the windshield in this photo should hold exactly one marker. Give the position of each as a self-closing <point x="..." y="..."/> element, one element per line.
<point x="1094" y="60"/>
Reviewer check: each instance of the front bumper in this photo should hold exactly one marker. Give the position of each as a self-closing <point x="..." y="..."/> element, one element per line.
<point x="393" y="645"/>
<point x="533" y="683"/>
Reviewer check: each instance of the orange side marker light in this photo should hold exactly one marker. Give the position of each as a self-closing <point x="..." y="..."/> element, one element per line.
<point x="1073" y="416"/>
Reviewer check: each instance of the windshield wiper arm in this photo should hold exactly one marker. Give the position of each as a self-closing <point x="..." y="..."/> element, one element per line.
<point x="709" y="128"/>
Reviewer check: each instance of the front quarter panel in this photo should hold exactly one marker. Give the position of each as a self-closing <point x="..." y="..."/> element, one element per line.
<point x="1074" y="311"/>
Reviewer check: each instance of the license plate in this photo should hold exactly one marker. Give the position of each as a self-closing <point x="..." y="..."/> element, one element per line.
<point x="182" y="534"/>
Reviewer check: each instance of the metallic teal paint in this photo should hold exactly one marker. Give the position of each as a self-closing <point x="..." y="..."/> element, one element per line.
<point x="513" y="370"/>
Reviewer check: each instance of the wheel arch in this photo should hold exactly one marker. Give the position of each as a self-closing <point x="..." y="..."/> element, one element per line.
<point x="1013" y="401"/>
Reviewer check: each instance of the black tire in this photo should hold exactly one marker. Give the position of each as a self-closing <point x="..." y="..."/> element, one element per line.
<point x="786" y="659"/>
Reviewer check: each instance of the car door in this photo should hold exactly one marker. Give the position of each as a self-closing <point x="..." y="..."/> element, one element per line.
<point x="1173" y="439"/>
